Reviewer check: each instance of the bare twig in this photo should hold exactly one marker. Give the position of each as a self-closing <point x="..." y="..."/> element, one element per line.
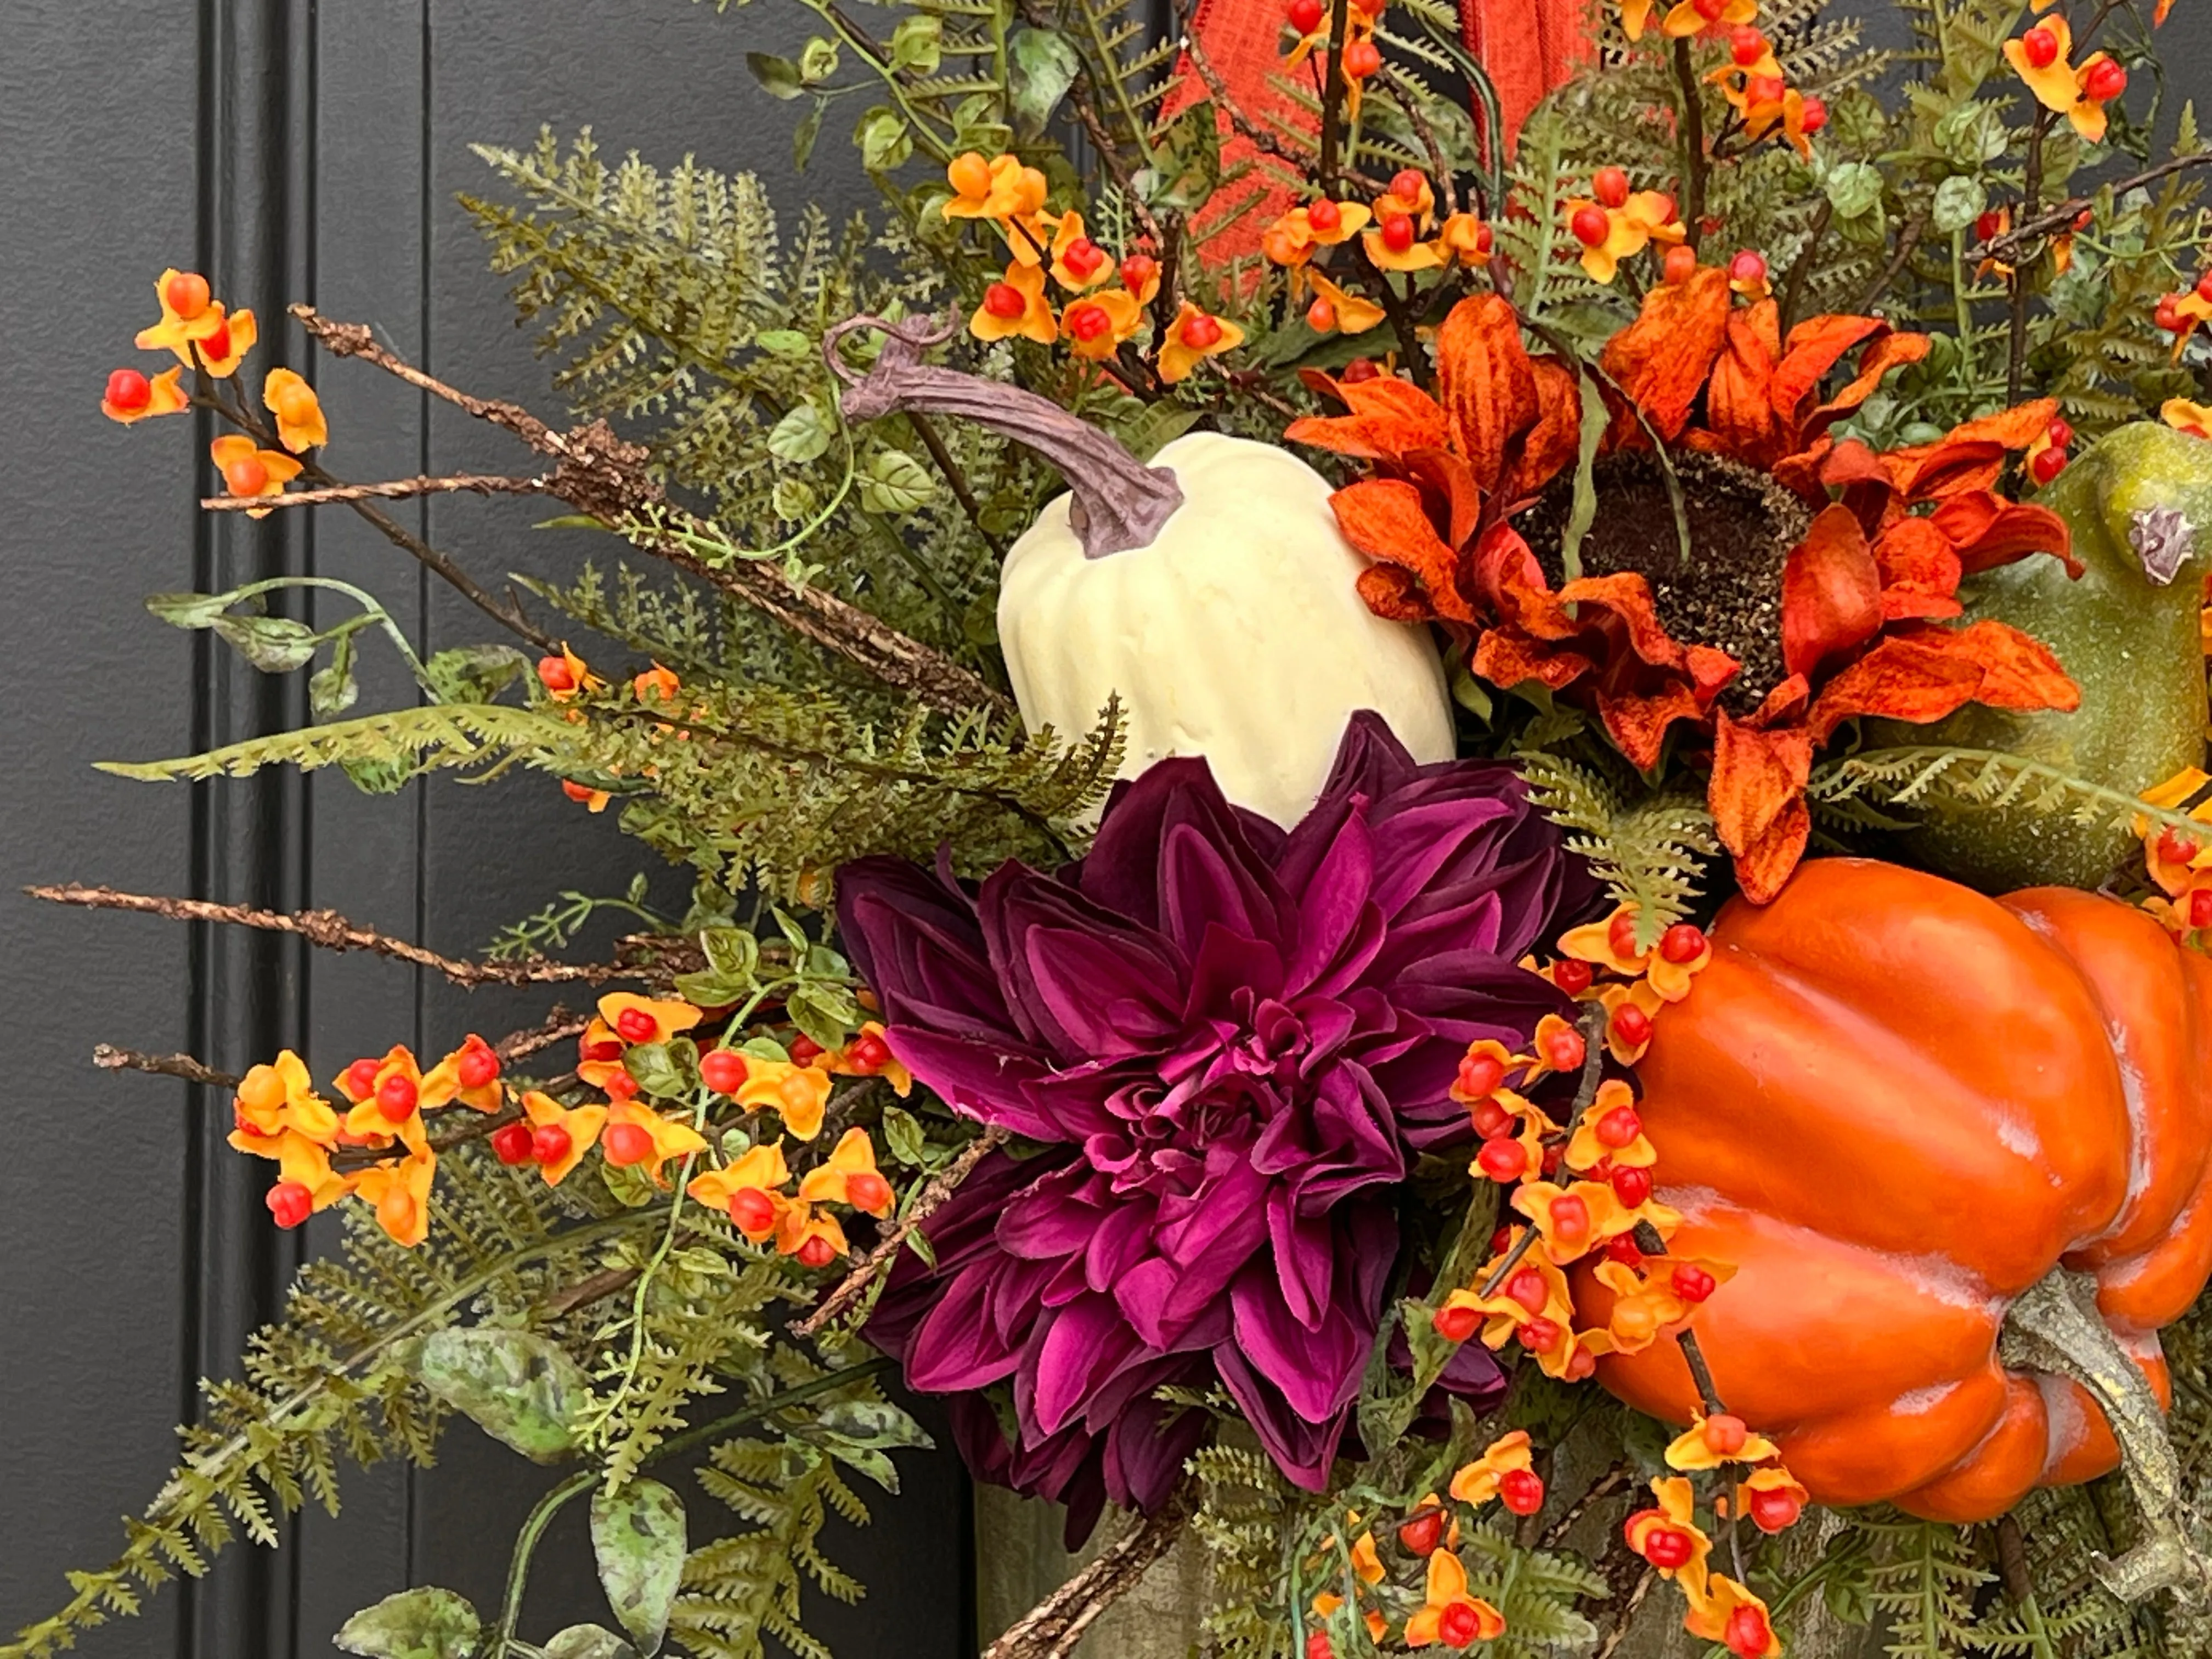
<point x="1907" y="240"/>
<point x="1693" y="143"/>
<point x="2016" y="321"/>
<point x="1604" y="1486"/>
<point x="955" y="479"/>
<point x="1109" y="156"/>
<point x="608" y="1281"/>
<point x="1052" y="1627"/>
<point x="1409" y="104"/>
<point x="1793" y="287"/>
<point x="1620" y="1633"/>
<point x="599" y="473"/>
<point x="1592" y="1025"/>
<point x="1224" y="101"/>
<point x="2063" y="216"/>
<point x="393" y="489"/>
<point x="332" y="931"/>
<point x="1333" y="99"/>
<point x="558" y="1027"/>
<point x="109" y="1058"/>
<point x="939" y="1187"/>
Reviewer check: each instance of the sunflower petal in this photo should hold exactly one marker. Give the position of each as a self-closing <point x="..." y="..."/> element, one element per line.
<point x="1662" y="359"/>
<point x="1831" y="593"/>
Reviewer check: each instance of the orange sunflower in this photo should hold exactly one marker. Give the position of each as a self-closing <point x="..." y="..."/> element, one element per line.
<point x="1818" y="575"/>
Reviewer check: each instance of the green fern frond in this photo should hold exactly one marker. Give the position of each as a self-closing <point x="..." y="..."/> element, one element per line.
<point x="1650" y="854"/>
<point x="1955" y="782"/>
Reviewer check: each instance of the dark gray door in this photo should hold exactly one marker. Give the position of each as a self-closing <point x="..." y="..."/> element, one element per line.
<point x="291" y="150"/>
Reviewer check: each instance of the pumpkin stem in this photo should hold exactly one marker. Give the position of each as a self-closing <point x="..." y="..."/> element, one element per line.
<point x="1119" y="502"/>
<point x="2055" y="1327"/>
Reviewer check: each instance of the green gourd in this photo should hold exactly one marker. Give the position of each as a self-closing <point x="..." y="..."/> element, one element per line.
<point x="2129" y="640"/>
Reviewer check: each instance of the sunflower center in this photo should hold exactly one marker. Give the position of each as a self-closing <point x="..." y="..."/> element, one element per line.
<point x="1727" y="593"/>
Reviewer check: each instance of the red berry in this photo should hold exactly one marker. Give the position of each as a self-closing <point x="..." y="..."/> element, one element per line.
<point x="868" y="1054"/>
<point x="216" y="346"/>
<point x="1361" y="60"/>
<point x="1564" y="1050"/>
<point x="2105" y="80"/>
<point x="1522" y="1491"/>
<point x="2062" y="432"/>
<point x="1749" y="1636"/>
<point x="1397" y="232"/>
<point x="1620" y="937"/>
<point x="1631" y="1187"/>
<point x="1324" y="215"/>
<point x="477" y="1065"/>
<point x="2200" y="908"/>
<point x="1668" y="1548"/>
<point x="395" y="1098"/>
<point x="290" y="1203"/>
<point x="1004" y="301"/>
<point x="803" y="1049"/>
<point x="2174" y="849"/>
<point x="1499" y="1239"/>
<point x="635" y="1025"/>
<point x="1479" y="1075"/>
<point x="360" y="1077"/>
<point x="1990" y="226"/>
<point x="1590" y="226"/>
<point x="1083" y="257"/>
<point x="1631" y="1025"/>
<point x="600" y="1049"/>
<point x="1553" y="1157"/>
<point x="1306" y="15"/>
<point x="1088" y="321"/>
<point x="1610" y="186"/>
<point x="1746" y="45"/>
<point x="1139" y="272"/>
<point x="1360" y="368"/>
<point x="246" y="475"/>
<point x="722" y="1070"/>
<point x="186" y="294"/>
<point x="2168" y="316"/>
<point x="1571" y="1220"/>
<point x="1492" y="1119"/>
<point x="2047" y="464"/>
<point x="550" y="1143"/>
<point x="1502" y="1159"/>
<point x="2041" y="47"/>
<point x="1619" y="1126"/>
<point x="1693" y="1284"/>
<point x="1572" y="976"/>
<point x="1763" y="89"/>
<point x="1407" y="184"/>
<point x="1812" y="115"/>
<point x="2204" y="287"/>
<point x="626" y="1143"/>
<point x="129" y="390"/>
<point x="1623" y="1249"/>
<point x="1321" y="316"/>
<point x="1458" y="1625"/>
<point x="621" y="1085"/>
<point x="816" y="1252"/>
<point x="1679" y="264"/>
<point x="1710" y="10"/>
<point x="1317" y="1646"/>
<point x="1538" y="1336"/>
<point x="752" y="1210"/>
<point x="1528" y="1288"/>
<point x="867" y="1191"/>
<point x="512" y="1143"/>
<point x="1773" y="1510"/>
<point x="1422" y="1534"/>
<point x="1748" y="268"/>
<point x="1725" y="1433"/>
<point x="1456" y="1324"/>
<point x="1683" y="942"/>
<point x="555" y="674"/>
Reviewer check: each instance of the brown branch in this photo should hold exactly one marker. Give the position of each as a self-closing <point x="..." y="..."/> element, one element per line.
<point x="332" y="931"/>
<point x="1110" y="155"/>
<point x="955" y="479"/>
<point x="1693" y="143"/>
<point x="1409" y="104"/>
<point x="2016" y="322"/>
<point x="1604" y="1486"/>
<point x="1333" y="98"/>
<point x="1592" y="1025"/>
<point x="2058" y="218"/>
<point x="608" y="1281"/>
<point x="1051" y="1629"/>
<point x="394" y="490"/>
<point x="1907" y="240"/>
<point x="559" y="1026"/>
<point x="601" y="474"/>
<point x="109" y="1058"/>
<point x="1793" y="287"/>
<point x="1223" y="100"/>
<point x="939" y="1187"/>
<point x="1620" y="1633"/>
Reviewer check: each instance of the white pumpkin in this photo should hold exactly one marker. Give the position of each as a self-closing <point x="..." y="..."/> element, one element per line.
<point x="1236" y="634"/>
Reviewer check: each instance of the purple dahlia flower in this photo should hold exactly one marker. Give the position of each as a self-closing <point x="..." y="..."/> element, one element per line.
<point x="1229" y="1040"/>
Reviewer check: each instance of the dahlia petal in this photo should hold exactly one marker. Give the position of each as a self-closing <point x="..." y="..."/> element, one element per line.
<point x="1305" y="1259"/>
<point x="1085" y="1339"/>
<point x="1316" y="1371"/>
<point x="1303" y="1450"/>
<point x="1145" y="1450"/>
<point x="1485" y="383"/>
<point x="1663" y="360"/>
<point x="1831" y="593"/>
<point x="958" y="1346"/>
<point x="981" y="1079"/>
<point x="1332" y="903"/>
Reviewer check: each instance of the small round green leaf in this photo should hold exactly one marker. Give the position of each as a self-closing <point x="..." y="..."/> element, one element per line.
<point x="638" y="1540"/>
<point x="416" y="1624"/>
<point x="517" y="1386"/>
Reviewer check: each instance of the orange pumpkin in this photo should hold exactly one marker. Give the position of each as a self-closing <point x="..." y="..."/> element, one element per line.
<point x="1896" y="1104"/>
